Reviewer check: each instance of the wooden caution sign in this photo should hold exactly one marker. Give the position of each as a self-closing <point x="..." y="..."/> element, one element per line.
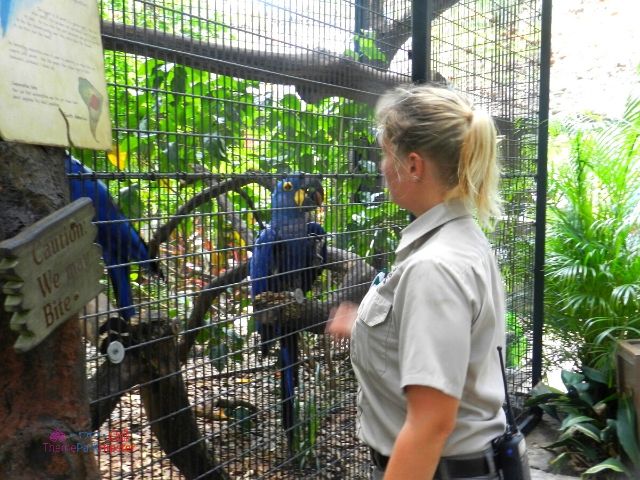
<point x="49" y="271"/>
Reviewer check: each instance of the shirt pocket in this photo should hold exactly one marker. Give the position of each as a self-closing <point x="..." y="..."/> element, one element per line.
<point x="375" y="329"/>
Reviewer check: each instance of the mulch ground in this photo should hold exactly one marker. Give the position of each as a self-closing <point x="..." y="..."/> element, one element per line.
<point x="249" y="443"/>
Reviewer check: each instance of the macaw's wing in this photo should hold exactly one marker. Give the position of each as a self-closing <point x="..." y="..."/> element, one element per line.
<point x="122" y="288"/>
<point x="120" y="242"/>
<point x="261" y="264"/>
<point x="119" y="239"/>
<point x="261" y="268"/>
<point x="125" y="243"/>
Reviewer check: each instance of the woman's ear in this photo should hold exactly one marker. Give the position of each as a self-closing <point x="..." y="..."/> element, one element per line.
<point x="416" y="165"/>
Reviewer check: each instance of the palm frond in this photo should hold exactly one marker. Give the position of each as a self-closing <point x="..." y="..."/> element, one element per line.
<point x="593" y="261"/>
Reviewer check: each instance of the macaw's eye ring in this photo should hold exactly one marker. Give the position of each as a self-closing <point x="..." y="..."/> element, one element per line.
<point x="287" y="186"/>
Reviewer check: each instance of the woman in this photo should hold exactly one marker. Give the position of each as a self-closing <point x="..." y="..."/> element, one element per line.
<point x="424" y="339"/>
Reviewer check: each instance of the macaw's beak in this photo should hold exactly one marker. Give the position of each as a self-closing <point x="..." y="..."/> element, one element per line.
<point x="300" y="197"/>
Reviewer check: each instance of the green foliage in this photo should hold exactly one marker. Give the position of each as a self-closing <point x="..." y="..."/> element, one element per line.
<point x="309" y="420"/>
<point x="171" y="119"/>
<point x="592" y="294"/>
<point x="593" y="260"/>
<point x="366" y="45"/>
<point x="597" y="426"/>
<point x="516" y="342"/>
<point x="190" y="18"/>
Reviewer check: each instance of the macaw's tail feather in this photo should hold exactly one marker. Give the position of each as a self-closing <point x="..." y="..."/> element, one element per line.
<point x="273" y="309"/>
<point x="288" y="382"/>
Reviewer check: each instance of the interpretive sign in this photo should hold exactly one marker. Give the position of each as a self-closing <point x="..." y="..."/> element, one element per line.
<point x="49" y="271"/>
<point x="52" y="87"/>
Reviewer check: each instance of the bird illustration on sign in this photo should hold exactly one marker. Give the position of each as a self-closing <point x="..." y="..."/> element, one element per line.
<point x="94" y="102"/>
<point x="9" y="9"/>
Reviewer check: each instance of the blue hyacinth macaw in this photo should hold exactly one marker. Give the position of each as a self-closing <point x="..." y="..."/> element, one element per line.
<point x="121" y="243"/>
<point x="288" y="255"/>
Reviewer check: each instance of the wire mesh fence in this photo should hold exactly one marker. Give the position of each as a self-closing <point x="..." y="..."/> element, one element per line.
<point x="503" y="75"/>
<point x="206" y="355"/>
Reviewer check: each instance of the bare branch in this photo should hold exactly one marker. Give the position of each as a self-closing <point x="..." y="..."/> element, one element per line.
<point x="315" y="74"/>
<point x="203" y="302"/>
<point x="163" y="233"/>
<point x="391" y="36"/>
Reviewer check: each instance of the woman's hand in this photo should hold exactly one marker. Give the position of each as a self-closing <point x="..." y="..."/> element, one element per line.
<point x="341" y="320"/>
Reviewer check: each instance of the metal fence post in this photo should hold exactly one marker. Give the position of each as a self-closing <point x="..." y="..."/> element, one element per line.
<point x="422" y="13"/>
<point x="541" y="192"/>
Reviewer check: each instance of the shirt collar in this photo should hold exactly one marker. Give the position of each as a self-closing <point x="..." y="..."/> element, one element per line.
<point x="430" y="220"/>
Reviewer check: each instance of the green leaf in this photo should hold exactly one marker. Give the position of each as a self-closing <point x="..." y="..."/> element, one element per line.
<point x="215" y="146"/>
<point x="350" y="54"/>
<point x="588" y="430"/>
<point x="157" y="76"/>
<point x="595" y="375"/>
<point x="367" y="45"/>
<point x="234" y="339"/>
<point x="172" y="159"/>
<point x="203" y="336"/>
<point x="291" y="102"/>
<point x="129" y="201"/>
<point x="609" y="464"/>
<point x="626" y="427"/>
<point x="179" y="80"/>
<point x="544" y="389"/>
<point x="571" y="379"/>
<point x="243" y="417"/>
<point x="572" y="420"/>
<point x="218" y="354"/>
<point x="560" y="460"/>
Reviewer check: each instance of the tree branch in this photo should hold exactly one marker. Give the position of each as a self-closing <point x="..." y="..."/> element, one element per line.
<point x="391" y="36"/>
<point x="315" y="74"/>
<point x="163" y="233"/>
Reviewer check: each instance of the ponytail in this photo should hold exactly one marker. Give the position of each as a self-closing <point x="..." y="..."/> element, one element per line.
<point x="461" y="141"/>
<point x="478" y="172"/>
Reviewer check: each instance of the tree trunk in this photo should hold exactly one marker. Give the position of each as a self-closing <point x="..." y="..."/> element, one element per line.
<point x="44" y="389"/>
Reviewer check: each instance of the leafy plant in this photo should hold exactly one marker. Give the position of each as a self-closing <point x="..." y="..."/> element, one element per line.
<point x="593" y="254"/>
<point x="597" y="425"/>
<point x="516" y="341"/>
<point x="365" y="44"/>
<point x="307" y="430"/>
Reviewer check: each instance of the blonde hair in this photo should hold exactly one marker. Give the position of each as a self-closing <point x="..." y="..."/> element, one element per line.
<point x="443" y="126"/>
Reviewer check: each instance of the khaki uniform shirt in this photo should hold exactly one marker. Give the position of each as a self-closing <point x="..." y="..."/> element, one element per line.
<point x="435" y="320"/>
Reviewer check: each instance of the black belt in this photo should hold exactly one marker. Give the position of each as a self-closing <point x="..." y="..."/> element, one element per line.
<point x="452" y="467"/>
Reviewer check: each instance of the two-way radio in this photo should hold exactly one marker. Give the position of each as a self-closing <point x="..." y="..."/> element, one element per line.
<point x="510" y="448"/>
